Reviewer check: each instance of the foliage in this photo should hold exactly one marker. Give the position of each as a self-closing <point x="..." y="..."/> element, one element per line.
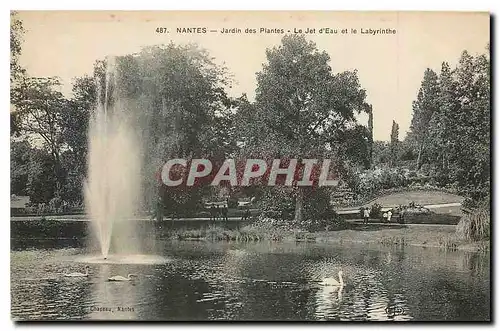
<point x="423" y="109"/>
<point x="302" y="110"/>
<point x="452" y="117"/>
<point x="279" y="203"/>
<point x="216" y="233"/>
<point x="39" y="106"/>
<point x="232" y="203"/>
<point x="376" y="211"/>
<point x="16" y="33"/>
<point x="394" y="141"/>
<point x="40" y="184"/>
<point x="176" y="95"/>
<point x="269" y="224"/>
<point x="20" y="155"/>
<point x="370" y="182"/>
<point x="475" y="225"/>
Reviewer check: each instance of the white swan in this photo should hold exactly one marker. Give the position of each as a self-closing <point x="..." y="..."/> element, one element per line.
<point x="121" y="278"/>
<point x="79" y="274"/>
<point x="333" y="282"/>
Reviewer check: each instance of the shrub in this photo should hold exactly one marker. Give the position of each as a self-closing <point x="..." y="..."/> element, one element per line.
<point x="475" y="225"/>
<point x="277" y="203"/>
<point x="232" y="203"/>
<point x="270" y="224"/>
<point x="376" y="211"/>
<point x="372" y="181"/>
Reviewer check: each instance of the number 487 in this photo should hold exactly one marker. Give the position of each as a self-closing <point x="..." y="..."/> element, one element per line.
<point x="161" y="30"/>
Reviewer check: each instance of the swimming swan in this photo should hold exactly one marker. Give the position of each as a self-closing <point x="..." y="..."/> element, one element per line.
<point x="121" y="278"/>
<point x="79" y="274"/>
<point x="333" y="282"/>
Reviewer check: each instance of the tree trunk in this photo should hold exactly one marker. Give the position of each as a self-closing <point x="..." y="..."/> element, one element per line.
<point x="370" y="142"/>
<point x="299" y="204"/>
<point x="57" y="173"/>
<point x="419" y="158"/>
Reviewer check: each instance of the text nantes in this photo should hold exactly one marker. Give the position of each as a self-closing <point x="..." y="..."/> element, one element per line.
<point x="289" y="172"/>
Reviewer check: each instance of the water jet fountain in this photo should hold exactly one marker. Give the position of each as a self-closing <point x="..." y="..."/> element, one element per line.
<point x="113" y="187"/>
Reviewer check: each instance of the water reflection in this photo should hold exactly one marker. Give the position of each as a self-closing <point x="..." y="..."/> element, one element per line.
<point x="265" y="281"/>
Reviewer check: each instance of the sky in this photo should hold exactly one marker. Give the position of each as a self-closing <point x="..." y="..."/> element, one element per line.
<point x="390" y="66"/>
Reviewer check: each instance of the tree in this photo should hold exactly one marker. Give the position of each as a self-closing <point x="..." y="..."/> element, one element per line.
<point x="16" y="71"/>
<point x="370" y="130"/>
<point x="470" y="132"/>
<point x="302" y="109"/>
<point x="394" y="141"/>
<point x="20" y="153"/>
<point x="458" y="131"/>
<point x="16" y="34"/>
<point x="74" y="136"/>
<point x="423" y="109"/>
<point x="381" y="153"/>
<point x="441" y="124"/>
<point x="38" y="111"/>
<point x="175" y="95"/>
<point x="40" y="184"/>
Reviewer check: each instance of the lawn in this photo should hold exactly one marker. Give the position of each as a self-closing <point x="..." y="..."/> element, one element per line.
<point x="419" y="197"/>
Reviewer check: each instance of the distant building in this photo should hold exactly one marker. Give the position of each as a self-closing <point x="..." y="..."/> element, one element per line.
<point x="18" y="204"/>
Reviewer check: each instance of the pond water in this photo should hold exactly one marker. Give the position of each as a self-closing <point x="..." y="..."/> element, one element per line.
<point x="256" y="281"/>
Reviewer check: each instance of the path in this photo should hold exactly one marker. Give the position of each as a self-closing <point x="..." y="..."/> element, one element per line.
<point x="84" y="218"/>
<point x="348" y="211"/>
<point x="360" y="222"/>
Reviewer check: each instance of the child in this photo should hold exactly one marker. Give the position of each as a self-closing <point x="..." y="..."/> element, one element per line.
<point x="385" y="216"/>
<point x="366" y="215"/>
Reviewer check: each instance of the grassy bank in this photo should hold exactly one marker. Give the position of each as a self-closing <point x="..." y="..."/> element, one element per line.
<point x="436" y="236"/>
<point x="398" y="235"/>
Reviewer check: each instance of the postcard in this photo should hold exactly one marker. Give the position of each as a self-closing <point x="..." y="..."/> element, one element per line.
<point x="250" y="166"/>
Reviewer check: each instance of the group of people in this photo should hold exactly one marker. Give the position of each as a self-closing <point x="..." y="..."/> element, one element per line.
<point x="218" y="212"/>
<point x="386" y="215"/>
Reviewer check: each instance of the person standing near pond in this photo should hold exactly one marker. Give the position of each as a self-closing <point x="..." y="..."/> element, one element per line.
<point x="246" y="215"/>
<point x="389" y="215"/>
<point x="366" y="215"/>
<point x="224" y="212"/>
<point x="212" y="213"/>
<point x="159" y="209"/>
<point x="216" y="212"/>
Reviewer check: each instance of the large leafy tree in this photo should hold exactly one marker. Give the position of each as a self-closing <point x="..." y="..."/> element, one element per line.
<point x="457" y="110"/>
<point x="20" y="153"/>
<point x="31" y="172"/>
<point x="16" y="71"/>
<point x="177" y="95"/>
<point x="302" y="109"/>
<point x="39" y="106"/>
<point x="74" y="136"/>
<point x="470" y="132"/>
<point x="441" y="124"/>
<point x="423" y="109"/>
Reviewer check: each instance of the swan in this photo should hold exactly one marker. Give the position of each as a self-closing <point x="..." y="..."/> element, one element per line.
<point x="333" y="282"/>
<point x="121" y="278"/>
<point x="79" y="274"/>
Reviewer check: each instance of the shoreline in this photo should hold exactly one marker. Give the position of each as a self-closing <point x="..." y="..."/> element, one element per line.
<point x="435" y="236"/>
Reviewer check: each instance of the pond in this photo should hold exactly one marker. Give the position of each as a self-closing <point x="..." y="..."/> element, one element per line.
<point x="253" y="281"/>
